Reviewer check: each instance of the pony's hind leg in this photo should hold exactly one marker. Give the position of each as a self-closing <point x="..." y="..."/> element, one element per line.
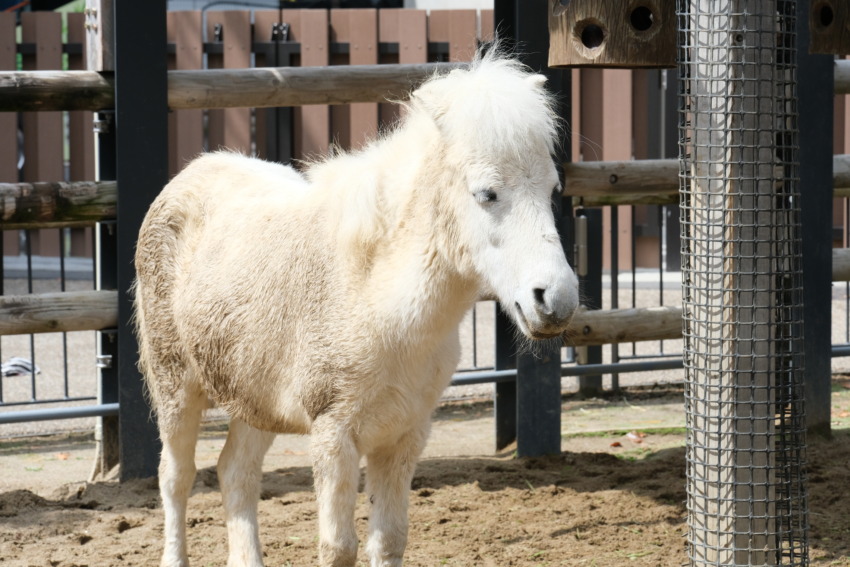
<point x="239" y="476"/>
<point x="179" y="420"/>
<point x="389" y="472"/>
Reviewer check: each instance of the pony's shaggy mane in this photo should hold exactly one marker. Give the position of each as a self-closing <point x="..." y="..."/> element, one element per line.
<point x="496" y="107"/>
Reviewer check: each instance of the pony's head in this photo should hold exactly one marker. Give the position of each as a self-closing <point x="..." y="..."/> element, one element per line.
<point x="498" y="132"/>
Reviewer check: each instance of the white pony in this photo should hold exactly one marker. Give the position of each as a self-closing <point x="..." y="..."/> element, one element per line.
<point x="329" y="303"/>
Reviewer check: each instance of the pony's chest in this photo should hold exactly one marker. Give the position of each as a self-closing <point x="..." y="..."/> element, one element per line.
<point x="402" y="395"/>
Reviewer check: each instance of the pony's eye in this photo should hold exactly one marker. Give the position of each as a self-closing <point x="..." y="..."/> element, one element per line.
<point x="486" y="196"/>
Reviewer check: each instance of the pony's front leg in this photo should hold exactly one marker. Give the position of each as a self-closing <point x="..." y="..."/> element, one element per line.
<point x="240" y="473"/>
<point x="336" y="475"/>
<point x="389" y="472"/>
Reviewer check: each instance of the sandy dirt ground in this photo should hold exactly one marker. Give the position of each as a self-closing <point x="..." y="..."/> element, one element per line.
<point x="606" y="500"/>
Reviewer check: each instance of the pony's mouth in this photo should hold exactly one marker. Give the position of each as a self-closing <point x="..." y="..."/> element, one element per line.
<point x="526" y="328"/>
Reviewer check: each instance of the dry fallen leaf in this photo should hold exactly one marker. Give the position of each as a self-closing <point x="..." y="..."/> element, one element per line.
<point x="616" y="444"/>
<point x="635" y="437"/>
<point x="844" y="414"/>
<point x="63" y="456"/>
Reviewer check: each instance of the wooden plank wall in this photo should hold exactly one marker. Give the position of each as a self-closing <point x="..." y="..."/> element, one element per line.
<point x="49" y="154"/>
<point x="43" y="136"/>
<point x="8" y="122"/>
<point x="317" y="127"/>
<point x="841" y="145"/>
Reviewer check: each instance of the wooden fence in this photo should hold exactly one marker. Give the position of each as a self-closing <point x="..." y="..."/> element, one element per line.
<point x="609" y="121"/>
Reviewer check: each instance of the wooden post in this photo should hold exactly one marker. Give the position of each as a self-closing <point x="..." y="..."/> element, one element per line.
<point x="100" y="57"/>
<point x="612" y="33"/>
<point x="734" y="268"/>
<point x="100" y="35"/>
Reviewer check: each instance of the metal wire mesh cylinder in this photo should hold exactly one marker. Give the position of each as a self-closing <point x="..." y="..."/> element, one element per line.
<point x="742" y="283"/>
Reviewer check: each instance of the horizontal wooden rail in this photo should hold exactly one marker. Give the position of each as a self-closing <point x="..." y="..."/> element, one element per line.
<point x="80" y="203"/>
<point x="608" y="326"/>
<point x="842" y="76"/>
<point x="55" y="90"/>
<point x="649" y="182"/>
<point x="54" y="312"/>
<point x="93" y="310"/>
<point x="601" y="327"/>
<point x="256" y="87"/>
<point x="223" y="88"/>
<point x="637" y="182"/>
<point x="55" y="204"/>
<point x="297" y="86"/>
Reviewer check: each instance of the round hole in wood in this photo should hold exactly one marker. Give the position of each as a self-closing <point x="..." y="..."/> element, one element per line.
<point x="591" y="33"/>
<point x="824" y="15"/>
<point x="642" y="18"/>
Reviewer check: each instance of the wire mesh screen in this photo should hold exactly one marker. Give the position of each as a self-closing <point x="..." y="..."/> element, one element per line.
<point x="742" y="283"/>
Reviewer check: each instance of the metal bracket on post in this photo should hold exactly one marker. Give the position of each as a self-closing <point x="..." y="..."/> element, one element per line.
<point x="103" y="121"/>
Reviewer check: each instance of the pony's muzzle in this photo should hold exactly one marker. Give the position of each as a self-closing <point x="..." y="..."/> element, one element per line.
<point x="552" y="308"/>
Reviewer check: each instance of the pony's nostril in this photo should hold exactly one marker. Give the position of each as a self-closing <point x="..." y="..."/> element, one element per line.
<point x="540" y="300"/>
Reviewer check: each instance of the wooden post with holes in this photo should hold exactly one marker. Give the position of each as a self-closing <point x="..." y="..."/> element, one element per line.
<point x="612" y="33"/>
<point x="829" y="27"/>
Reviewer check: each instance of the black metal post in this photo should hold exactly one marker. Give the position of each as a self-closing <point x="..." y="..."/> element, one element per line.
<point x="108" y="393"/>
<point x="141" y="106"/>
<point x="815" y="88"/>
<point x="590" y="291"/>
<point x="280" y="120"/>
<point x="538" y="389"/>
<point x="505" y="403"/>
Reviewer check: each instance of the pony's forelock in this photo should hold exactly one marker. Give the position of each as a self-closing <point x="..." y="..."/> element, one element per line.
<point x="497" y="101"/>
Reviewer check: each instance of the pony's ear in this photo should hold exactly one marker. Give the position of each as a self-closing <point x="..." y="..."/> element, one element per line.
<point x="431" y="102"/>
<point x="537" y="80"/>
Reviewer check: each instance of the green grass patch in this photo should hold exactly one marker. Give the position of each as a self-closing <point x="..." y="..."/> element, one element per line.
<point x="621" y="432"/>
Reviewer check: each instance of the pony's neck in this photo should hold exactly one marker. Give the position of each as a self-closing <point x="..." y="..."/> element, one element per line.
<point x="412" y="277"/>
